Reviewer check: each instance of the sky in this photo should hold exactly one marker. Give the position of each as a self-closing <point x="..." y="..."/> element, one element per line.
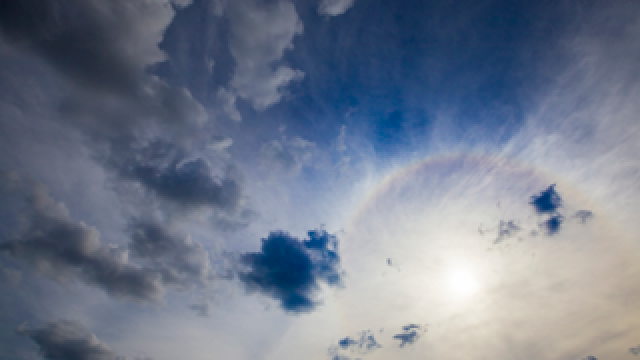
<point x="319" y="179"/>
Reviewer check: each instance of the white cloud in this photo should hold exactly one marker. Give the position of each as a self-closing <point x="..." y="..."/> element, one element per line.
<point x="260" y="34"/>
<point x="227" y="101"/>
<point x="334" y="7"/>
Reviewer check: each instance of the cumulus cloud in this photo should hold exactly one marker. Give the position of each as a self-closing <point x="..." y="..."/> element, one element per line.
<point x="261" y="31"/>
<point x="68" y="340"/>
<point x="180" y="260"/>
<point x="103" y="50"/>
<point x="290" y="270"/>
<point x="410" y="334"/>
<point x="166" y="170"/>
<point x="334" y="7"/>
<point x="66" y="250"/>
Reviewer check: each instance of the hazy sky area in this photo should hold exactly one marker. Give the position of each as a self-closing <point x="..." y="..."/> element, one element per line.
<point x="319" y="179"/>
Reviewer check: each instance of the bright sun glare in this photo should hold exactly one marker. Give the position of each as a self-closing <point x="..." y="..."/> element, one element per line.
<point x="463" y="283"/>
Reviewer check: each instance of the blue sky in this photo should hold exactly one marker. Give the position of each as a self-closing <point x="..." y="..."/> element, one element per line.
<point x="319" y="179"/>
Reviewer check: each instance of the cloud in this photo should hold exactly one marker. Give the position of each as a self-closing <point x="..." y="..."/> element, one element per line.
<point x="236" y="222"/>
<point x="12" y="276"/>
<point x="347" y="343"/>
<point x="635" y="351"/>
<point x="290" y="270"/>
<point x="364" y="343"/>
<point x="181" y="3"/>
<point x="68" y="340"/>
<point x="334" y="7"/>
<point x="227" y="101"/>
<point x="507" y="229"/>
<point x="166" y="169"/>
<point x="547" y="202"/>
<point x="65" y="250"/>
<point x="180" y="260"/>
<point x="274" y="153"/>
<point x="103" y="49"/>
<point x="220" y="143"/>
<point x="583" y="215"/>
<point x="260" y="33"/>
<point x="202" y="310"/>
<point x="341" y="141"/>
<point x="410" y="334"/>
<point x="287" y="156"/>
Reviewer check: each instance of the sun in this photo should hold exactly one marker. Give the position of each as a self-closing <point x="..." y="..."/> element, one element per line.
<point x="463" y="283"/>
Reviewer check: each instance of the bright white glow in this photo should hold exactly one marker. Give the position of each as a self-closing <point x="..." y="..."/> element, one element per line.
<point x="463" y="283"/>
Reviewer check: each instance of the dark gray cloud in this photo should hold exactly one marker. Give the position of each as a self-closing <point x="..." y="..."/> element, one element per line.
<point x="68" y="340"/>
<point x="410" y="334"/>
<point x="180" y="260"/>
<point x="635" y="351"/>
<point x="167" y="170"/>
<point x="103" y="49"/>
<point x="66" y="250"/>
<point x="12" y="276"/>
<point x="290" y="270"/>
<point x="88" y="41"/>
<point x="547" y="202"/>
